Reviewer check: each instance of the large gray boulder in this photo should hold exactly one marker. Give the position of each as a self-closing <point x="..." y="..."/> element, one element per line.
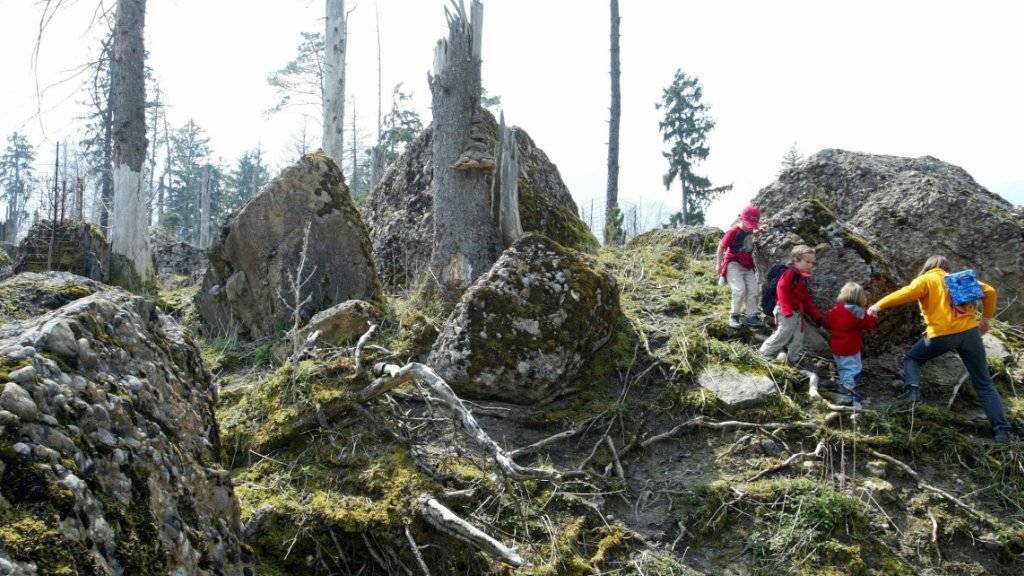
<point x="907" y="209"/>
<point x="842" y="256"/>
<point x="108" y="446"/>
<point x="691" y="239"/>
<point x="399" y="215"/>
<point x="260" y="247"/>
<point x="524" y="329"/>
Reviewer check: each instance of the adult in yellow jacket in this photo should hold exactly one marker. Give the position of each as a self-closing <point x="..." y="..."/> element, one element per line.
<point x="949" y="328"/>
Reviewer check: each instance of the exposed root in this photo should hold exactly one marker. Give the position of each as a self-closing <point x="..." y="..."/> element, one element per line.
<point x="922" y="484"/>
<point x="440" y="517"/>
<point x="818" y="452"/>
<point x="546" y="441"/>
<point x="357" y="354"/>
<point x="416" y="552"/>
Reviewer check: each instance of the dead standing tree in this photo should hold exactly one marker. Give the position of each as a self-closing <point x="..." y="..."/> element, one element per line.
<point x="129" y="230"/>
<point x="466" y="242"/>
<point x="335" y="47"/>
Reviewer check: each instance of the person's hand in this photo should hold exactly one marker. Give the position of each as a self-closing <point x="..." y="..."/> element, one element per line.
<point x="983" y="326"/>
<point x="874" y="310"/>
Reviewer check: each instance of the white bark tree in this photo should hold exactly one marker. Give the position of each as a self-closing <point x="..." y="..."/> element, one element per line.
<point x="335" y="48"/>
<point x="129" y="230"/>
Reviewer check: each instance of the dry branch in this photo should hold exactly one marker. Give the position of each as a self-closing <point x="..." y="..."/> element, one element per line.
<point x="440" y="517"/>
<point x="798" y="457"/>
<point x="357" y="354"/>
<point x="546" y="441"/>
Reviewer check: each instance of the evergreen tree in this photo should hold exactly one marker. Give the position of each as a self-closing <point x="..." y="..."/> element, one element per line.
<point x="614" y="231"/>
<point x="190" y="152"/>
<point x="15" y="176"/>
<point x="401" y="125"/>
<point x="685" y="128"/>
<point x="243" y="182"/>
<point x="300" y="82"/>
<point x="792" y="158"/>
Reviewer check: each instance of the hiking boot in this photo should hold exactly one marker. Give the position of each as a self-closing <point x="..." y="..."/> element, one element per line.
<point x="910" y="394"/>
<point x="753" y="320"/>
<point x="781" y="358"/>
<point x="846" y="397"/>
<point x="734" y="321"/>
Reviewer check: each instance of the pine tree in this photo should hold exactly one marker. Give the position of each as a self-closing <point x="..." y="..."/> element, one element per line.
<point x="300" y="82"/>
<point x="614" y="232"/>
<point x="792" y="158"/>
<point x="400" y="126"/>
<point x="243" y="182"/>
<point x="685" y="128"/>
<point x="190" y="153"/>
<point x="15" y="177"/>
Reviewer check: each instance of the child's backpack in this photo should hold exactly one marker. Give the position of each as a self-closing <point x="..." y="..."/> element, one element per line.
<point x="768" y="294"/>
<point x="964" y="287"/>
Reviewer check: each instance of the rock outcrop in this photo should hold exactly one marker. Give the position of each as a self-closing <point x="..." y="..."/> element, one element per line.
<point x="524" y="329"/>
<point x="907" y="209"/>
<point x="261" y="245"/>
<point x="692" y="239"/>
<point x="178" y="264"/>
<point x="108" y="444"/>
<point x="78" y="247"/>
<point x="398" y="212"/>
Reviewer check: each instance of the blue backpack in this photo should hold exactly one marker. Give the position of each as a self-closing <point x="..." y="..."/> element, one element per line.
<point x="768" y="294"/>
<point x="964" y="287"/>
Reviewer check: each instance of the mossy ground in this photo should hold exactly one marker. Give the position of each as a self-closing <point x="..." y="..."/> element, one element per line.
<point x="341" y="479"/>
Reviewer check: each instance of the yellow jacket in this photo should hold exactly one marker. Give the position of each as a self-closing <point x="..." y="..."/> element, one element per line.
<point x="942" y="319"/>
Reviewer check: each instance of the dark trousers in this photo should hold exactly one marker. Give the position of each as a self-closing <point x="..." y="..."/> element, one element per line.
<point x="969" y="347"/>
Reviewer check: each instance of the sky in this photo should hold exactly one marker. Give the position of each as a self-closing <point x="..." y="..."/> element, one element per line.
<point x="907" y="78"/>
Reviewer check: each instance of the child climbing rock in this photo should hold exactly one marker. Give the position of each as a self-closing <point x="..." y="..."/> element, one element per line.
<point x="793" y="302"/>
<point x="735" y="263"/>
<point x="848" y="321"/>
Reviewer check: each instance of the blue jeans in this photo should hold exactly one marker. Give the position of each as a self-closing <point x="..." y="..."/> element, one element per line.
<point x="849" y="368"/>
<point x="969" y="347"/>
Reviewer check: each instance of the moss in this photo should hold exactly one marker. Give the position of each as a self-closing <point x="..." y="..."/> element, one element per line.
<point x="541" y="214"/>
<point x="858" y="244"/>
<point x="8" y="365"/>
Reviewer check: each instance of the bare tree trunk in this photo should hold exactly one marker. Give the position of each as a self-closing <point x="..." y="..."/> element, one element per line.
<point x="612" y="197"/>
<point x="106" y="179"/>
<point x="53" y="217"/>
<point x="165" y="177"/>
<point x="129" y="229"/>
<point x="354" y="180"/>
<point x="151" y="172"/>
<point x="377" y="154"/>
<point x="505" y="187"/>
<point x="79" y="197"/>
<point x="466" y="242"/>
<point x="335" y="44"/>
<point x="12" y="207"/>
<point x="204" y="212"/>
<point x="686" y="205"/>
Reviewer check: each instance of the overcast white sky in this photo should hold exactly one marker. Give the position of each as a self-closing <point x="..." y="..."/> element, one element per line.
<point x="908" y="78"/>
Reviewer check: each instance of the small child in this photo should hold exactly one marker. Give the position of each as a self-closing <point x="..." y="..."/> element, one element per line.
<point x="848" y="322"/>
<point x="793" y="302"/>
<point x="735" y="263"/>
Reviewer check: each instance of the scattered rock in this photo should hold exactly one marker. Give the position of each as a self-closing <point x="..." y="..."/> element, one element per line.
<point x="137" y="491"/>
<point x="524" y="329"/>
<point x="178" y="264"/>
<point x="770" y="447"/>
<point x="735" y="389"/>
<point x="259" y="248"/>
<point x="879" y="468"/>
<point x="880" y="490"/>
<point x="401" y="224"/>
<point x="910" y="208"/>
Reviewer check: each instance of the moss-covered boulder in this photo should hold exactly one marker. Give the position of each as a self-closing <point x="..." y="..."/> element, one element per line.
<point x="108" y="445"/>
<point x="691" y="239"/>
<point x="843" y="256"/>
<point x="247" y="291"/>
<point x="523" y="330"/>
<point x="30" y="293"/>
<point x="399" y="215"/>
<point x="77" y="247"/>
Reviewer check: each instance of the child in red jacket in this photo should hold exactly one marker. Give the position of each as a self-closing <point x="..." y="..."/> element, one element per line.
<point x="793" y="302"/>
<point x="848" y="321"/>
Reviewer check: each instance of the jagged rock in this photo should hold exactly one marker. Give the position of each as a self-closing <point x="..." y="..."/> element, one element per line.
<point x="78" y="247"/>
<point x="692" y="239"/>
<point x="910" y="208"/>
<point x="260" y="246"/>
<point x="31" y="293"/>
<point x="735" y="389"/>
<point x="524" y="329"/>
<point x="178" y="264"/>
<point x="842" y="256"/>
<point x="340" y="324"/>
<point x="398" y="211"/>
<point x="108" y="466"/>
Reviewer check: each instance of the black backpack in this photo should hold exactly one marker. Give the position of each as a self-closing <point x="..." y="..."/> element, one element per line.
<point x="768" y="293"/>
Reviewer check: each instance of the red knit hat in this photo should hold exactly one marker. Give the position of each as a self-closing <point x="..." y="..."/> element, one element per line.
<point x="751" y="216"/>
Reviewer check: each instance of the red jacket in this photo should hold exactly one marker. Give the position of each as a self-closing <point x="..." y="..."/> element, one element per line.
<point x="847" y="330"/>
<point x="739" y="247"/>
<point x="792" y="294"/>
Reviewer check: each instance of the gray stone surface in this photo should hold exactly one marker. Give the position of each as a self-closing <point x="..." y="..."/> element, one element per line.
<point x="340" y="324"/>
<point x="735" y="389"/>
<point x="116" y="457"/>
<point x="522" y="332"/>
<point x="258" y="249"/>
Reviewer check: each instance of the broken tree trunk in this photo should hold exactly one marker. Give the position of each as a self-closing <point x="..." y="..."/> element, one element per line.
<point x="335" y="47"/>
<point x="466" y="240"/>
<point x="129" y="227"/>
<point x="505" y="186"/>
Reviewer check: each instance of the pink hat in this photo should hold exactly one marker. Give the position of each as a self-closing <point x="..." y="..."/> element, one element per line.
<point x="751" y="216"/>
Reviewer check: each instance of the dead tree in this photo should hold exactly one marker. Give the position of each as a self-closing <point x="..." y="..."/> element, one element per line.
<point x="204" y="212"/>
<point x="612" y="196"/>
<point x="505" y="186"/>
<point x="466" y="242"/>
<point x="129" y="230"/>
<point x="335" y="46"/>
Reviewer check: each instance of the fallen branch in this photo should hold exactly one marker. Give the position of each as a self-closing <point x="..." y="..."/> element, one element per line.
<point x="440" y="517"/>
<point x="393" y="377"/>
<point x="357" y="354"/>
<point x="416" y="552"/>
<point x="701" y="422"/>
<point x="921" y="483"/>
<point x="546" y="441"/>
<point x="812" y="391"/>
<point x="799" y="456"/>
<point x="615" y="458"/>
